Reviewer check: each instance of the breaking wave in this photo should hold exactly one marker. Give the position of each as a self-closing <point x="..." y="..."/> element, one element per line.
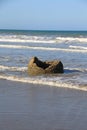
<point x="41" y="39"/>
<point x="72" y="39"/>
<point x="25" y="39"/>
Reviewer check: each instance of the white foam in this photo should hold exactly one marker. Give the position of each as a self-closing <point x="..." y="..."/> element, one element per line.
<point x="71" y="39"/>
<point x="42" y="48"/>
<point x="78" y="47"/>
<point x="3" y="68"/>
<point x="43" y="82"/>
<point x="77" y="69"/>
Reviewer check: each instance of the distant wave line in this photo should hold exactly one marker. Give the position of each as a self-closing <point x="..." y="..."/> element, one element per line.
<point x="42" y="48"/>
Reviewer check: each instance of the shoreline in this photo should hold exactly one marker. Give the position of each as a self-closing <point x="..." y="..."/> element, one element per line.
<point x="43" y="83"/>
<point x="25" y="106"/>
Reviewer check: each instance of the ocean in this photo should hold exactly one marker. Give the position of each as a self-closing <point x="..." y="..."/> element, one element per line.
<point x="17" y="47"/>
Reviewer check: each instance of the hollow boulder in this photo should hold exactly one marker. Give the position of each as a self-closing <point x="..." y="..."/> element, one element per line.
<point x="38" y="67"/>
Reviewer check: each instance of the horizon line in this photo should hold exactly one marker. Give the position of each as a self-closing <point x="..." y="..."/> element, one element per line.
<point x="38" y="30"/>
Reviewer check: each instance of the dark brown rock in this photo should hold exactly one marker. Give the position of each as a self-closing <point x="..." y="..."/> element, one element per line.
<point x="38" y="67"/>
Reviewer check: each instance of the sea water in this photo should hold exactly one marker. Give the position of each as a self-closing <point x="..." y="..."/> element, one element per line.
<point x="17" y="47"/>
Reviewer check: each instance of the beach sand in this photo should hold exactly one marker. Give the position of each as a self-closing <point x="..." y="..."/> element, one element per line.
<point x="36" y="107"/>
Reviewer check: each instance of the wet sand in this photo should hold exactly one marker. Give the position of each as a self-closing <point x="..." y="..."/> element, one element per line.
<point x="35" y="107"/>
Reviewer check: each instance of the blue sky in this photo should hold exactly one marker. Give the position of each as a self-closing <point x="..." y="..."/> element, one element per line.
<point x="43" y="14"/>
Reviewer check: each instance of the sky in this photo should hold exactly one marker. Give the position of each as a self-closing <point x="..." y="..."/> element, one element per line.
<point x="43" y="14"/>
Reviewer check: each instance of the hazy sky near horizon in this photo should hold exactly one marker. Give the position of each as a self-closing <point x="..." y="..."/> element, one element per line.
<point x="43" y="14"/>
